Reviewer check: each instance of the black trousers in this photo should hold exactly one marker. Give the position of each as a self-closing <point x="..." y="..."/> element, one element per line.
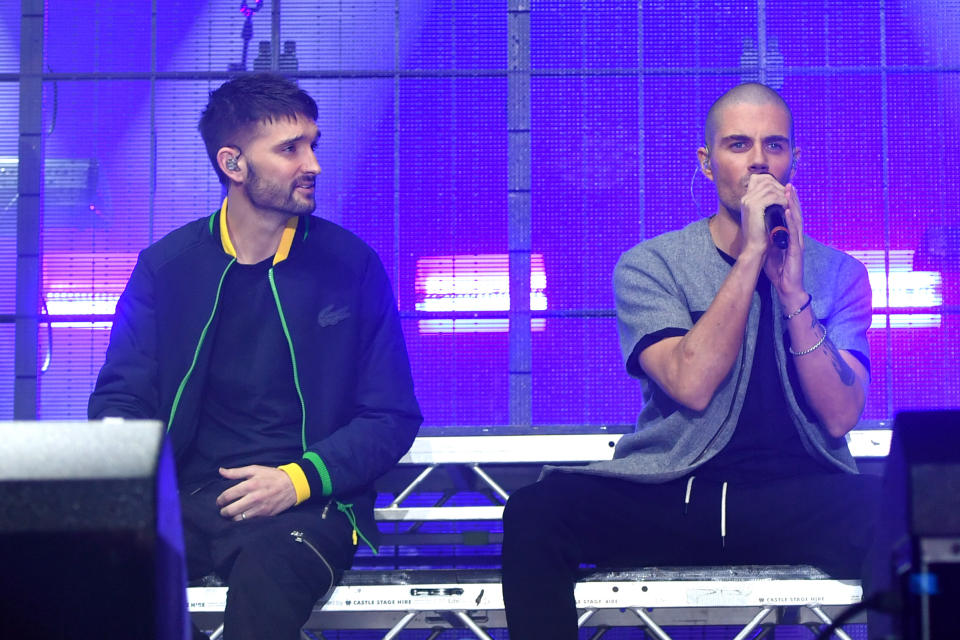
<point x="276" y="568"/>
<point x="569" y="519"/>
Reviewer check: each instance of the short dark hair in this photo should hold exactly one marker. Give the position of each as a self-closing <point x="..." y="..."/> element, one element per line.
<point x="243" y="103"/>
<point x="750" y="93"/>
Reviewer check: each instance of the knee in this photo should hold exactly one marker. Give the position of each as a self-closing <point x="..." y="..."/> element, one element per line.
<point x="257" y="564"/>
<point x="272" y="591"/>
<point x="284" y="565"/>
<point x="538" y="536"/>
<point x="531" y="511"/>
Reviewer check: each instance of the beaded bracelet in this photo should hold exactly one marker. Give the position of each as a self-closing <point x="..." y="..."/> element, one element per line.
<point x="800" y="310"/>
<point x="814" y="347"/>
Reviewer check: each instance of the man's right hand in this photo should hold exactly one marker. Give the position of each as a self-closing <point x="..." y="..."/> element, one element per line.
<point x="762" y="191"/>
<point x="264" y="491"/>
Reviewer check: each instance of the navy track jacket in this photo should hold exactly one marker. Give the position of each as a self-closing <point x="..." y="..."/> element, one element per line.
<point x="350" y="365"/>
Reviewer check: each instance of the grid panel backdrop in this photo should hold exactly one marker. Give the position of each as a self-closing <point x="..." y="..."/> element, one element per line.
<point x="9" y="101"/>
<point x="9" y="104"/>
<point x="416" y="153"/>
<point x="413" y="101"/>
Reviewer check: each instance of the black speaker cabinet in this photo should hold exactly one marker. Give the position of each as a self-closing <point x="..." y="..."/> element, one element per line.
<point x="90" y="539"/>
<point x="930" y="445"/>
<point x="918" y="550"/>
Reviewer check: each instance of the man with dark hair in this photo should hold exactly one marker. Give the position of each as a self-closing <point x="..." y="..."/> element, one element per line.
<point x="269" y="342"/>
<point x="754" y="364"/>
<point x="249" y="100"/>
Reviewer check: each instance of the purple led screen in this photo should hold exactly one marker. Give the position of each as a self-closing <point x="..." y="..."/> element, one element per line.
<point x="413" y="101"/>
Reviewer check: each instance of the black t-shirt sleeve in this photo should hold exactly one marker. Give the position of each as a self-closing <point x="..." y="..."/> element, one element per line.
<point x="864" y="360"/>
<point x="633" y="364"/>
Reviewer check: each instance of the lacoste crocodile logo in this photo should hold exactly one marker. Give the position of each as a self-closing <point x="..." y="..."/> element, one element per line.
<point x="330" y="315"/>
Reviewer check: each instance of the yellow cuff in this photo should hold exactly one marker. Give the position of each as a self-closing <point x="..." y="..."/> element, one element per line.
<point x="299" y="479"/>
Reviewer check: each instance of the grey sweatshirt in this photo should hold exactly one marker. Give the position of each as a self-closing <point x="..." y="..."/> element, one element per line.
<point x="668" y="282"/>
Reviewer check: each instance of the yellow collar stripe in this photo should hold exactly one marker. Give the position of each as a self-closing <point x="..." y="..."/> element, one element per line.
<point x="224" y="233"/>
<point x="286" y="240"/>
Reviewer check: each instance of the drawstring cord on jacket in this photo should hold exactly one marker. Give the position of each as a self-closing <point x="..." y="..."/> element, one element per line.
<point x="347" y="509"/>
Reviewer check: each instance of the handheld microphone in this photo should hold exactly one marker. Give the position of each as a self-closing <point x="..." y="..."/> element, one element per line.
<point x="776" y="225"/>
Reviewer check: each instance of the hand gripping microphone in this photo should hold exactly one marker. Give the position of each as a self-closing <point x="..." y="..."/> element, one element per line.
<point x="774" y="216"/>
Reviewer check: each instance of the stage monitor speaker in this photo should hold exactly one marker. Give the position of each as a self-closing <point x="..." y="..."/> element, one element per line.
<point x="918" y="541"/>
<point x="90" y="538"/>
<point x="930" y="445"/>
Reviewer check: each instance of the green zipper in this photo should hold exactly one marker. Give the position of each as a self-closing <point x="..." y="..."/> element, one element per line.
<point x="196" y="352"/>
<point x="346" y="508"/>
<point x="293" y="360"/>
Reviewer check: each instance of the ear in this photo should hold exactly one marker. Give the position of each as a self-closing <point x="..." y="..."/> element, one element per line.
<point x="793" y="165"/>
<point x="231" y="163"/>
<point x="703" y="159"/>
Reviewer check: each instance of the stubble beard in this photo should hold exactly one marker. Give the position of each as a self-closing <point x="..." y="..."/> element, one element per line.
<point x="275" y="197"/>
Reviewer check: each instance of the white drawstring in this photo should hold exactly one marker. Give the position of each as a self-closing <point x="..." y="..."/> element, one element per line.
<point x="686" y="500"/>
<point x="723" y="508"/>
<point x="723" y="516"/>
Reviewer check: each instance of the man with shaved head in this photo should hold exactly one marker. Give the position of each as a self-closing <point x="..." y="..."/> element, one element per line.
<point x="747" y="93"/>
<point x="754" y="364"/>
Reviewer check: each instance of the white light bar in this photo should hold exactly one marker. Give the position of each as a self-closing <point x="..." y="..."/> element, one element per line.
<point x="907" y="288"/>
<point x="479" y="282"/>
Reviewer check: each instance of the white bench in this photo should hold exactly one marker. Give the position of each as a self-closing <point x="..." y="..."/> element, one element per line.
<point x="654" y="598"/>
<point x="475" y="452"/>
<point x="650" y="598"/>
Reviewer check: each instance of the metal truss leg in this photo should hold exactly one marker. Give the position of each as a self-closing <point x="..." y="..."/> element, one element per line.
<point x="600" y="632"/>
<point x="410" y="487"/>
<point x="401" y="623"/>
<point x="586" y="615"/>
<point x="217" y="633"/>
<point x="652" y="627"/>
<point x="477" y="631"/>
<point x="766" y="631"/>
<point x="817" y="611"/>
<point x="490" y="481"/>
<point x="441" y="501"/>
<point x="753" y="624"/>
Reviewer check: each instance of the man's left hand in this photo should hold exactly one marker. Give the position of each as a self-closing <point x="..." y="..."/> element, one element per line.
<point x="785" y="267"/>
<point x="265" y="491"/>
